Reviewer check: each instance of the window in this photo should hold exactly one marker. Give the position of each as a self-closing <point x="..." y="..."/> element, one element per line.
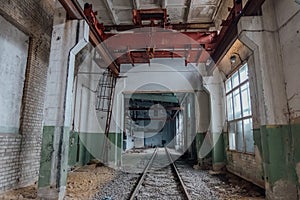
<point x="239" y="113"/>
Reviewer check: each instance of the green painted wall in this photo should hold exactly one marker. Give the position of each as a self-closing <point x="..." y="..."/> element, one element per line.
<point x="115" y="139"/>
<point x="226" y="146"/>
<point x="199" y="141"/>
<point x="258" y="143"/>
<point x="218" y="150"/>
<point x="64" y="156"/>
<point x="46" y="171"/>
<point x="217" y="154"/>
<point x="280" y="150"/>
<point x="85" y="156"/>
<point x="90" y="147"/>
<point x="257" y="139"/>
<point x="295" y="129"/>
<point x="73" y="148"/>
<point x="46" y="156"/>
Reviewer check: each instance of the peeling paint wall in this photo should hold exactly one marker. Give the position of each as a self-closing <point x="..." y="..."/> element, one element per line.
<point x="289" y="36"/>
<point x="13" y="61"/>
<point x="275" y="43"/>
<point x="20" y="152"/>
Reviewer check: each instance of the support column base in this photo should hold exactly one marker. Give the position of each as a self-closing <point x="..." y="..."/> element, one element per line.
<point x="281" y="190"/>
<point x="218" y="166"/>
<point x="49" y="193"/>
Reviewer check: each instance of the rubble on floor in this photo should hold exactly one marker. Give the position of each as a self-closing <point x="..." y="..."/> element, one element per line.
<point x="26" y="193"/>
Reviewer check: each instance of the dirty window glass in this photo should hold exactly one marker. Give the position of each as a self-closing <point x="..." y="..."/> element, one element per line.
<point x="239" y="114"/>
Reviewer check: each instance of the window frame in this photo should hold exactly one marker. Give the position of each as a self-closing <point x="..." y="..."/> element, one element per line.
<point x="242" y="117"/>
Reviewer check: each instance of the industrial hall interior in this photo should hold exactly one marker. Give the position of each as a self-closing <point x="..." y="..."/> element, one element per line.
<point x="150" y="99"/>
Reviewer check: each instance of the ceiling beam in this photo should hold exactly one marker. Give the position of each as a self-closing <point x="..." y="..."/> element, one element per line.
<point x="104" y="54"/>
<point x="71" y="9"/>
<point x="187" y="11"/>
<point x="164" y="4"/>
<point x="174" y="26"/>
<point x="112" y="12"/>
<point x="136" y="4"/>
<point x="122" y="8"/>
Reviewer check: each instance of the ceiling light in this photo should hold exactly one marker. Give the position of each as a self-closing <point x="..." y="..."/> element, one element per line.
<point x="233" y="59"/>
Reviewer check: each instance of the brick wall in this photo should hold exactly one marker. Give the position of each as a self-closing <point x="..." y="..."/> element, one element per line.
<point x="20" y="154"/>
<point x="245" y="166"/>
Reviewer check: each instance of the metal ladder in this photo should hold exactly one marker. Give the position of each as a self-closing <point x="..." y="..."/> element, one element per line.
<point x="105" y="96"/>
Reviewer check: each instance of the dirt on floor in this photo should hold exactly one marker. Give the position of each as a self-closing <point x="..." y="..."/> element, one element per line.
<point x="80" y="187"/>
<point x="82" y="183"/>
<point x="231" y="187"/>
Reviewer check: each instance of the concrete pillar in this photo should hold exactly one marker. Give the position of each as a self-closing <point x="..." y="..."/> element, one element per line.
<point x="261" y="35"/>
<point x="214" y="139"/>
<point x="68" y="38"/>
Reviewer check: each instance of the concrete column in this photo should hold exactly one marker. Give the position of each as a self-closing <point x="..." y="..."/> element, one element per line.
<point x="214" y="139"/>
<point x="68" y="38"/>
<point x="261" y="35"/>
<point x="203" y="120"/>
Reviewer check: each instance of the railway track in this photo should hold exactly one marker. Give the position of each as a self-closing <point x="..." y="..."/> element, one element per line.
<point x="160" y="179"/>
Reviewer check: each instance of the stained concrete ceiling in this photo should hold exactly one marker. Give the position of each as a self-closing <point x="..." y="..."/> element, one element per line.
<point x="119" y="12"/>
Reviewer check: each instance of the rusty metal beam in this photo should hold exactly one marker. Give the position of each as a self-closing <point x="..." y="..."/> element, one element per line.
<point x="130" y="57"/>
<point x="72" y="9"/>
<point x="143" y="56"/>
<point x="253" y="7"/>
<point x="103" y="52"/>
<point x="198" y="26"/>
<point x="159" y="39"/>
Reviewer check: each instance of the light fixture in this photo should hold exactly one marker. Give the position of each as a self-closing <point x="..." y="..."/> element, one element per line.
<point x="233" y="58"/>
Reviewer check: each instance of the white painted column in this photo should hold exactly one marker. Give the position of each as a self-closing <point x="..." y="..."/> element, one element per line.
<point x="215" y="86"/>
<point x="68" y="39"/>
